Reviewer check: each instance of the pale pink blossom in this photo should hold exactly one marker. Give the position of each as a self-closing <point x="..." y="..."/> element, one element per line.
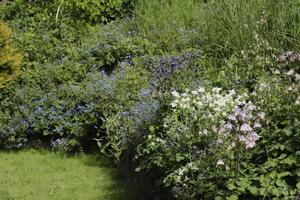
<point x="246" y="128"/>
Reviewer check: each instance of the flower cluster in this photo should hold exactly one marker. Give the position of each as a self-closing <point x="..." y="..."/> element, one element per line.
<point x="59" y="143"/>
<point x="244" y="123"/>
<point x="294" y="75"/>
<point x="289" y="56"/>
<point x="166" y="66"/>
<point x="213" y="101"/>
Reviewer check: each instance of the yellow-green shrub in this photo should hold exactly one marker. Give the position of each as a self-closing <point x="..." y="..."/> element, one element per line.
<point x="10" y="60"/>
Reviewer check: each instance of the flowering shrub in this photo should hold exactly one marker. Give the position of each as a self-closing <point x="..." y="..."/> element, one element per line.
<point x="273" y="168"/>
<point x="206" y="130"/>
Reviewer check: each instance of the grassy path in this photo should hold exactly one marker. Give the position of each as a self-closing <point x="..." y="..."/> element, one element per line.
<point x="33" y="175"/>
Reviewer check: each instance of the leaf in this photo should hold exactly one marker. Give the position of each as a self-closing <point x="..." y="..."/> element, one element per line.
<point x="179" y="157"/>
<point x="233" y="197"/>
<point x="253" y="190"/>
<point x="289" y="161"/>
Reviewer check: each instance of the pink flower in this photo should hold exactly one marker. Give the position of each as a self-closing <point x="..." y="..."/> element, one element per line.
<point x="242" y="116"/>
<point x="257" y="125"/>
<point x="219" y="141"/>
<point x="242" y="138"/>
<point x="254" y="136"/>
<point x="246" y="128"/>
<point x="250" y="106"/>
<point x="231" y="117"/>
<point x="261" y="115"/>
<point x="249" y="144"/>
<point x="228" y="126"/>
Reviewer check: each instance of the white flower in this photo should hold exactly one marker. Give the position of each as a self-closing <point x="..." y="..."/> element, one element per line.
<point x="201" y="90"/>
<point x="298" y="101"/>
<point x="257" y="125"/>
<point x="175" y="93"/>
<point x="220" y="162"/>
<point x="232" y="92"/>
<point x="199" y="104"/>
<point x="204" y="132"/>
<point x="173" y="104"/>
<point x="185" y="94"/>
<point x="194" y="92"/>
<point x="297" y="77"/>
<point x="219" y="141"/>
<point x="186" y="100"/>
<point x="180" y="172"/>
<point x="216" y="90"/>
<point x="227" y="168"/>
<point x="290" y="73"/>
<point x="261" y="115"/>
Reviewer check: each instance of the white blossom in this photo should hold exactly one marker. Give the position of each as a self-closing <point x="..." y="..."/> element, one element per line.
<point x="220" y="162"/>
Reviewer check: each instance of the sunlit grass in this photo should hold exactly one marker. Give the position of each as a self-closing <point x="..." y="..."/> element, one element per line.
<point x="30" y="175"/>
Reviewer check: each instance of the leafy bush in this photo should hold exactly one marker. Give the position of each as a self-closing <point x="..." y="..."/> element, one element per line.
<point x="274" y="167"/>
<point x="10" y="60"/>
<point x="94" y="11"/>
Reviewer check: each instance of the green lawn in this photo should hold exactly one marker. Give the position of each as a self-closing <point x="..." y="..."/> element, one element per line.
<point x="36" y="175"/>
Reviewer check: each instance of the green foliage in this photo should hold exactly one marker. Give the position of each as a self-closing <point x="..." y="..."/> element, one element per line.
<point x="10" y="60"/>
<point x="91" y="81"/>
<point x="93" y="11"/>
<point x="275" y="166"/>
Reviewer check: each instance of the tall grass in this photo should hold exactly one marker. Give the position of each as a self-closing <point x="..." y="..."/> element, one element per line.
<point x="219" y="26"/>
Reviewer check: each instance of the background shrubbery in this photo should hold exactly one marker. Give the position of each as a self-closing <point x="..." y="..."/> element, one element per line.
<point x="10" y="60"/>
<point x="203" y="96"/>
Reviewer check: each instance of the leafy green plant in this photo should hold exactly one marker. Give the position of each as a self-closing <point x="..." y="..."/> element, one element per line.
<point x="10" y="59"/>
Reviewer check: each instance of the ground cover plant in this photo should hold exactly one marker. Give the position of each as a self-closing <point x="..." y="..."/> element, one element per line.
<point x="201" y="97"/>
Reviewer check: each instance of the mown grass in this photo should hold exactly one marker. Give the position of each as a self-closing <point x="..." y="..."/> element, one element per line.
<point x="41" y="175"/>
